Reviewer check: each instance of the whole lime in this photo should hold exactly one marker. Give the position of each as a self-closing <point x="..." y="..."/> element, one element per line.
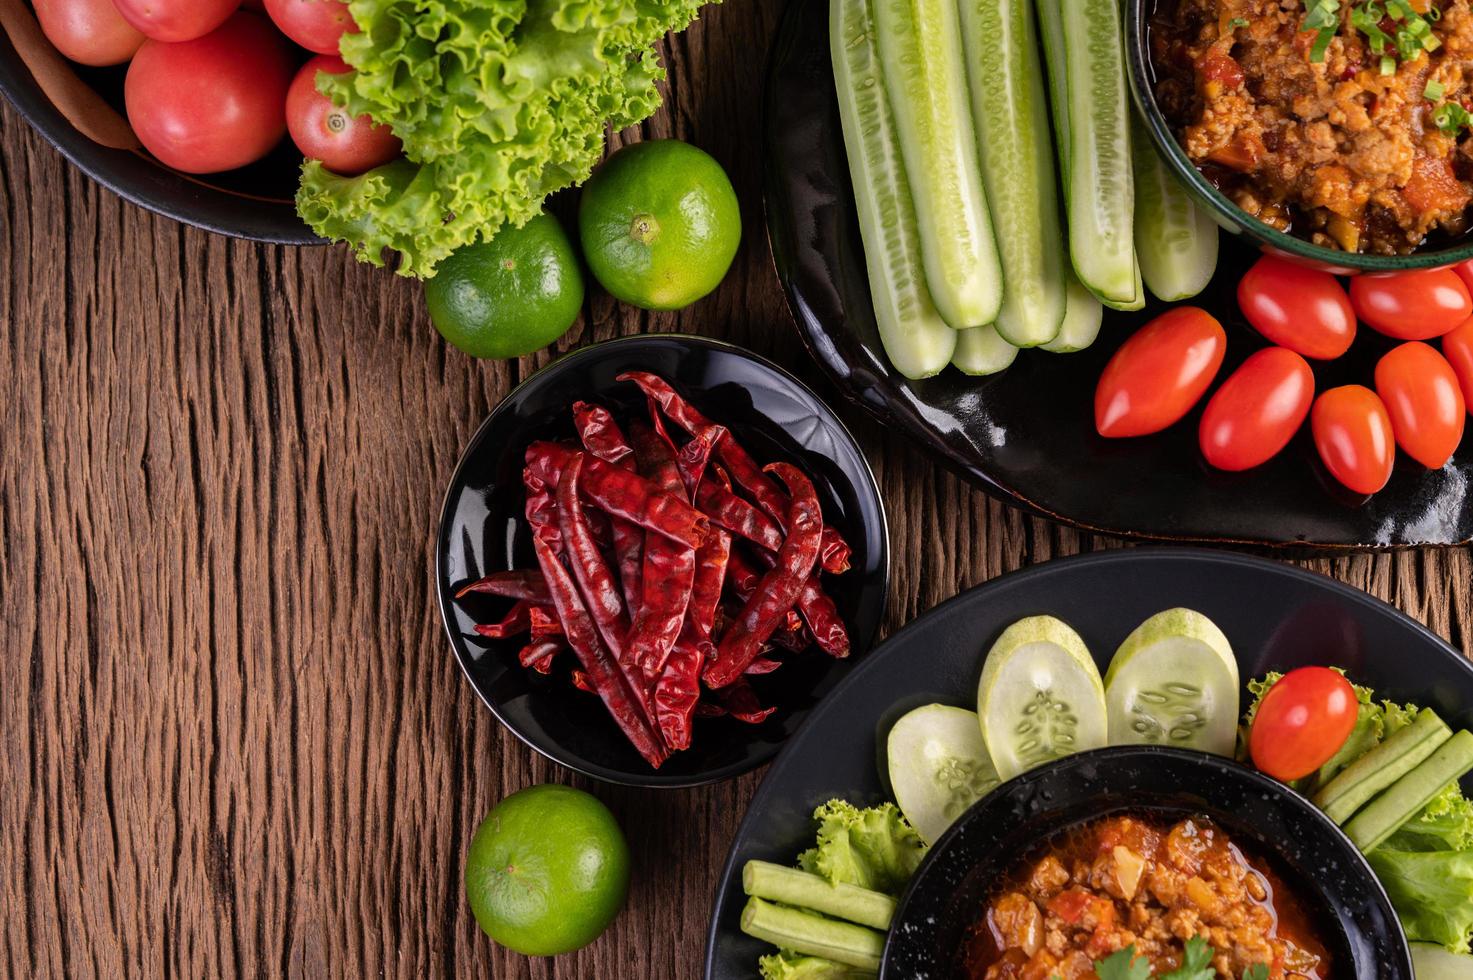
<point x="659" y="223"/>
<point x="547" y="870"/>
<point x="510" y="296"/>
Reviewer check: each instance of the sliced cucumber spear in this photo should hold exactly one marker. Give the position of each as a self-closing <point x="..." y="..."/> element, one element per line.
<point x="1432" y="962"/>
<point x="916" y="340"/>
<point x="938" y="766"/>
<point x="1088" y="70"/>
<point x="1040" y="697"/>
<point x="1379" y="768"/>
<point x="981" y="350"/>
<point x="1010" y="116"/>
<point x="1083" y="314"/>
<point x="1175" y="241"/>
<point x="789" y="886"/>
<point x="1174" y="681"/>
<point x="1385" y="815"/>
<point x="810" y="933"/>
<point x="921" y="60"/>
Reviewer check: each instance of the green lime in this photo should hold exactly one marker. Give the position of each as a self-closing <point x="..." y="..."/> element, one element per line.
<point x="510" y="296"/>
<point x="659" y="224"/>
<point x="547" y="870"/>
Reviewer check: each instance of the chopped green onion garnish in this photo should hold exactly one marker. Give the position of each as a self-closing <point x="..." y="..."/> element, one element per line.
<point x="1237" y="22"/>
<point x="1324" y="19"/>
<point x="1451" y="117"/>
<point x="1433" y="91"/>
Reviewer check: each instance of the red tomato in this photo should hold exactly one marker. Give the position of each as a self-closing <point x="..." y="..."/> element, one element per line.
<point x="91" y="32"/>
<point x="1302" y="309"/>
<point x="1353" y="435"/>
<point x="1159" y="373"/>
<point x="314" y="24"/>
<point x="1424" y="401"/>
<point x="1413" y="305"/>
<point x="1465" y="273"/>
<point x="1301" y="722"/>
<point x="1257" y="410"/>
<point x="214" y="103"/>
<point x="345" y="145"/>
<point x="1457" y="347"/>
<point x="176" y="20"/>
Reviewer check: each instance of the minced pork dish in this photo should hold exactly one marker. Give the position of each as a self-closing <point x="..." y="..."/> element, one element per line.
<point x="1345" y="122"/>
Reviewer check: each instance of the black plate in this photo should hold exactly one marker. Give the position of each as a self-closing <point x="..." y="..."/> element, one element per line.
<point x="1027" y="435"/>
<point x="481" y="530"/>
<point x="1347" y="906"/>
<point x="1276" y="616"/>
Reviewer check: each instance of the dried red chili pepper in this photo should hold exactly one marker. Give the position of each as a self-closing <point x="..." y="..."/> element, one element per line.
<point x="705" y="709"/>
<point x="712" y="559"/>
<point x="744" y="577"/>
<point x="820" y="616"/>
<point x="603" y="438"/>
<point x="669" y="568"/>
<point x="678" y="688"/>
<point x="834" y="551"/>
<point x="517" y="620"/>
<point x="539" y="655"/>
<point x="517" y="584"/>
<point x="621" y="493"/>
<point x="727" y="510"/>
<point x="780" y="586"/>
<point x="740" y="701"/>
<point x="762" y="665"/>
<point x="693" y="458"/>
<point x="545" y="623"/>
<point x="595" y="581"/>
<point x="603" y="674"/>
<point x="582" y="682"/>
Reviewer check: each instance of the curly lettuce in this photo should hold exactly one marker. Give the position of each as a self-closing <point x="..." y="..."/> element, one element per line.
<point x="874" y="848"/>
<point x="499" y="103"/>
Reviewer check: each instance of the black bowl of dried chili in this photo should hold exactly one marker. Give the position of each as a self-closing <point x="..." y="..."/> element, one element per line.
<point x="660" y="440"/>
<point x="1185" y="819"/>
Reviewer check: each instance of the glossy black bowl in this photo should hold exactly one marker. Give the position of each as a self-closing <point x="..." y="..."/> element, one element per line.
<point x="777" y="418"/>
<point x="1346" y="905"/>
<point x="254" y="202"/>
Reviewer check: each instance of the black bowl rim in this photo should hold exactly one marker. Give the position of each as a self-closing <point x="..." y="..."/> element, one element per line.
<point x="223" y="212"/>
<point x="858" y="676"/>
<point x="1138" y="71"/>
<point x="653" y="779"/>
<point x="1115" y="755"/>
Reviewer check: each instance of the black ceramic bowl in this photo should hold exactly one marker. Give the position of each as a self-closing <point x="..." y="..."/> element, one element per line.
<point x="254" y="202"/>
<point x="777" y="418"/>
<point x="1142" y="73"/>
<point x="1336" y="887"/>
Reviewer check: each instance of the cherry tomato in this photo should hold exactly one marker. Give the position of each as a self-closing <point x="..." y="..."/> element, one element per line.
<point x="314" y="24"/>
<point x="214" y="103"/>
<point x="1465" y="273"/>
<point x="90" y="32"/>
<point x="1257" y="410"/>
<point x="1353" y="435"/>
<point x="322" y="131"/>
<point x="1301" y="722"/>
<point x="1302" y="309"/>
<point x="1457" y="347"/>
<point x="176" y="20"/>
<point x="1159" y="373"/>
<point x="1413" y="305"/>
<point x="1424" y="401"/>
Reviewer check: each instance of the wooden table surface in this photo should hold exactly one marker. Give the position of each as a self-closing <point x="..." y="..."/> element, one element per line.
<point x="235" y="740"/>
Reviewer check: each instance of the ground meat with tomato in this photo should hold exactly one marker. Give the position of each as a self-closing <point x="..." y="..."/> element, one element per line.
<point x="1335" y="150"/>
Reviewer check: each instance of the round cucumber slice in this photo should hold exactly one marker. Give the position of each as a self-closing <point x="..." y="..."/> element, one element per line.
<point x="1174" y="681"/>
<point x="1040" y="696"/>
<point x="1436" y="963"/>
<point x="938" y="766"/>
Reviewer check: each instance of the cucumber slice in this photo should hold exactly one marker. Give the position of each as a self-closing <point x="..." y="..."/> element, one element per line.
<point x="939" y="766"/>
<point x="1099" y="192"/>
<point x="1040" y="697"/>
<point x="1051" y="32"/>
<point x="1174" y="681"/>
<point x="1010" y="115"/>
<point x="921" y="61"/>
<point x="1175" y="241"/>
<point x="981" y="350"/>
<point x="1382" y="766"/>
<point x="1083" y="314"/>
<point x="1431" y="962"/>
<point x="1384" y="815"/>
<point x="916" y="340"/>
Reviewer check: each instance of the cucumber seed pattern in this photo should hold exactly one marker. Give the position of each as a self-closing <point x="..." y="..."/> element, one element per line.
<point x="1049" y="730"/>
<point x="965" y="782"/>
<point x="1174" y="713"/>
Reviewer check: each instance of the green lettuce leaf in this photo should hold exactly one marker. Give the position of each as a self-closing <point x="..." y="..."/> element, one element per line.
<point x="874" y="848"/>
<point x="1445" y="824"/>
<point x="1432" y="892"/>
<point x="787" y="965"/>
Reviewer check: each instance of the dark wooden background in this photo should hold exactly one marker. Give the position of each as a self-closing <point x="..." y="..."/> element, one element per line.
<point x="233" y="739"/>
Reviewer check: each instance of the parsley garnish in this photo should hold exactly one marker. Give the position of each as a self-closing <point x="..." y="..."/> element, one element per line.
<point x="1257" y="971"/>
<point x="1195" y="962"/>
<point x="1123" y="965"/>
<point x="1323" y="17"/>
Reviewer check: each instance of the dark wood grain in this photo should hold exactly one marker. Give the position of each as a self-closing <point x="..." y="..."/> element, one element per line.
<point x="235" y="742"/>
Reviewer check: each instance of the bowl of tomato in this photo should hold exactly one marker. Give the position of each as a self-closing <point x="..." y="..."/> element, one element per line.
<point x="199" y="110"/>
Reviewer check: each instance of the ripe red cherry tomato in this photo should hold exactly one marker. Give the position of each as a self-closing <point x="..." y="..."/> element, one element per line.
<point x="1424" y="401"/>
<point x="1159" y="373"/>
<point x="1301" y="722"/>
<point x="1457" y="347"/>
<point x="322" y="131"/>
<point x="314" y="24"/>
<point x="90" y="32"/>
<point x="1302" y="309"/>
<point x="1413" y="305"/>
<point x="1353" y="435"/>
<point x="1257" y="410"/>
<point x="176" y="20"/>
<point x="214" y="103"/>
<point x="1465" y="273"/>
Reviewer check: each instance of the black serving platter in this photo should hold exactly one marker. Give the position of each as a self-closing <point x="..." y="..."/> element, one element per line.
<point x="481" y="530"/>
<point x="1276" y="616"/>
<point x="1347" y="906"/>
<point x="1027" y="435"/>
